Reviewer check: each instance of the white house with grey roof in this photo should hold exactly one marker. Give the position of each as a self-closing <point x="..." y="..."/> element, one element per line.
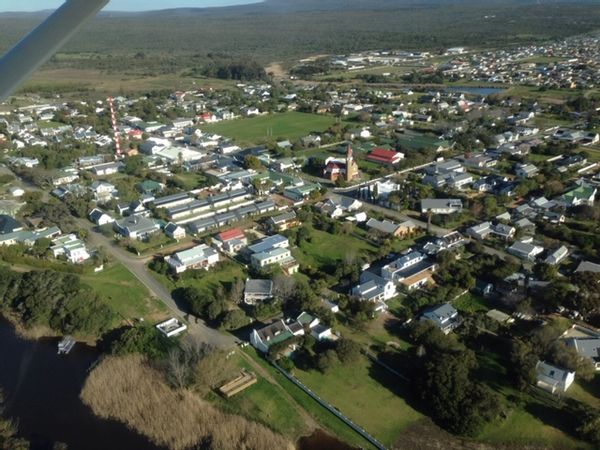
<point x="136" y="227"/>
<point x="441" y="205"/>
<point x="526" y="170"/>
<point x="375" y="289"/>
<point x="175" y="231"/>
<point x="445" y="317"/>
<point x="257" y="291"/>
<point x="588" y="266"/>
<point x="557" y="255"/>
<point x="275" y="241"/>
<point x="480" y="231"/>
<point x="99" y="217"/>
<point x="396" y="270"/>
<point x="70" y="247"/>
<point x="199" y="257"/>
<point x="272" y="250"/>
<point x="279" y="256"/>
<point x="552" y="378"/>
<point x="525" y="250"/>
<point x="587" y="346"/>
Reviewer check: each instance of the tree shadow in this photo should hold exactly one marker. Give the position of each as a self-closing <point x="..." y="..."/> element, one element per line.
<point x="556" y="416"/>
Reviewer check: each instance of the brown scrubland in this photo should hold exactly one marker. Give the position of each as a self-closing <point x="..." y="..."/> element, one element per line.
<point x="130" y="390"/>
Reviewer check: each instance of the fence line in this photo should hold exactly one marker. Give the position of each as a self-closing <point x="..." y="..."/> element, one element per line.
<point x="331" y="409"/>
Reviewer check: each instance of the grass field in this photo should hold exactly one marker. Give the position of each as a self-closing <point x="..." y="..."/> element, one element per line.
<point x="264" y="402"/>
<point x="191" y="180"/>
<point x="537" y="158"/>
<point x="529" y="422"/>
<point x="327" y="420"/>
<point x="367" y="394"/>
<point x="72" y="80"/>
<point x="290" y="125"/>
<point x="522" y="428"/>
<point x="470" y="303"/>
<point x="375" y="332"/>
<point x="325" y="249"/>
<point x="43" y="124"/>
<point x="155" y="243"/>
<point x="125" y="294"/>
<point x="208" y="281"/>
<point x="587" y="392"/>
<point x="417" y="141"/>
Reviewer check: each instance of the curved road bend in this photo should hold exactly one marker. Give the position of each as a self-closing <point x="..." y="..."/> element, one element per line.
<point x="137" y="266"/>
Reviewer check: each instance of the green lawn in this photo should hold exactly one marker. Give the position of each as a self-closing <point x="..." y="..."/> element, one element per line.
<point x="289" y="125"/>
<point x="191" y="180"/>
<point x="119" y="288"/>
<point x="43" y="124"/>
<point x="374" y="333"/>
<point x="155" y="243"/>
<point x="587" y="392"/>
<point x="522" y="428"/>
<point x="470" y="303"/>
<point x="537" y="158"/>
<point x="264" y="402"/>
<point x="417" y="141"/>
<point x="207" y="281"/>
<point x="368" y="394"/>
<point x="592" y="155"/>
<point x="325" y="418"/>
<point x="325" y="249"/>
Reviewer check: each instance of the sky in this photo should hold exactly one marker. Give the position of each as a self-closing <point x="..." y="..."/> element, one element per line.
<point x="119" y="5"/>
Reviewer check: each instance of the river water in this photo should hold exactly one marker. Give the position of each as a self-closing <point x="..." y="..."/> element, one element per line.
<point x="41" y="391"/>
<point x="320" y="440"/>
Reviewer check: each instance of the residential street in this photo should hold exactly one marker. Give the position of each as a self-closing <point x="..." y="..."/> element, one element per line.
<point x="438" y="231"/>
<point x="137" y="266"/>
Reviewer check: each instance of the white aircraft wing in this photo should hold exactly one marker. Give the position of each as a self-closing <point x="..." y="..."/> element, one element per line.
<point x="43" y="42"/>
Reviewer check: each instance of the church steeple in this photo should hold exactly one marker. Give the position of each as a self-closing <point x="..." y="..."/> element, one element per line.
<point x="351" y="166"/>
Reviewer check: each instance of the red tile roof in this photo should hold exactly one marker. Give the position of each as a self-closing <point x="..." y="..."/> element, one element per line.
<point x="234" y="233"/>
<point x="383" y="155"/>
<point x="333" y="165"/>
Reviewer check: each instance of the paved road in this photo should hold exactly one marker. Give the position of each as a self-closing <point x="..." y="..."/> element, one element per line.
<point x="438" y="231"/>
<point x="137" y="266"/>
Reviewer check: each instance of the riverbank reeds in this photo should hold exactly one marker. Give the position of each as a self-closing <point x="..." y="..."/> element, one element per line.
<point x="129" y="390"/>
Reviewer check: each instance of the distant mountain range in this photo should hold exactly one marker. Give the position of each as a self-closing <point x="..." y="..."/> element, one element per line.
<point x="291" y="6"/>
<point x="287" y="30"/>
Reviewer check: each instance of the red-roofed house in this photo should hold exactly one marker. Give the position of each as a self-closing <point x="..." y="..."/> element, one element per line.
<point x="206" y="117"/>
<point x="135" y="134"/>
<point x="385" y="156"/>
<point x="345" y="169"/>
<point x="231" y="241"/>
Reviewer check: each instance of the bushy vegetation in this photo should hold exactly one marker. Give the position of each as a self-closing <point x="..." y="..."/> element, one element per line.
<point x="53" y="299"/>
<point x="8" y="432"/>
<point x="444" y="380"/>
<point x="142" y="339"/>
<point x="240" y="71"/>
<point x="169" y="42"/>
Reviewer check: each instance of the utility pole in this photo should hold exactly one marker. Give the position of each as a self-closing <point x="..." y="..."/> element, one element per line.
<point x="117" y="135"/>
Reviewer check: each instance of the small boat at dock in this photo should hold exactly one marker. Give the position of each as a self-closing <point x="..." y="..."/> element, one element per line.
<point x="66" y="345"/>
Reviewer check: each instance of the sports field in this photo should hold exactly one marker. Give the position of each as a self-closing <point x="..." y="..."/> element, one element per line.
<point x="290" y="125"/>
